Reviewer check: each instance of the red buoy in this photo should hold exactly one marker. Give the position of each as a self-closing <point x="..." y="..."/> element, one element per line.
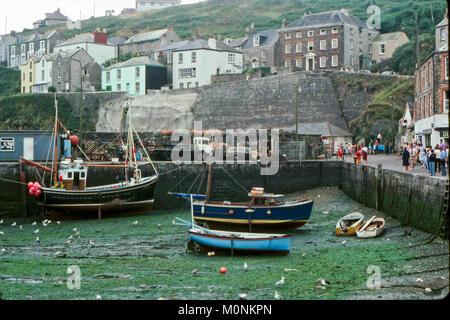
<point x="74" y="140"/>
<point x="38" y="193"/>
<point x="30" y="185"/>
<point x="223" y="270"/>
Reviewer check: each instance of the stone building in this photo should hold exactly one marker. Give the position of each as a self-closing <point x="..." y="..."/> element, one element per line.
<point x="431" y="102"/>
<point x="51" y="19"/>
<point x="5" y="42"/>
<point x="32" y="45"/>
<point x="262" y="49"/>
<point x="384" y="45"/>
<point x="327" y="40"/>
<point x="145" y="5"/>
<point x="147" y="43"/>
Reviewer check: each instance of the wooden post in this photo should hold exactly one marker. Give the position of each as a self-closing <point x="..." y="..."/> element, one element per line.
<point x="99" y="212"/>
<point x="378" y="176"/>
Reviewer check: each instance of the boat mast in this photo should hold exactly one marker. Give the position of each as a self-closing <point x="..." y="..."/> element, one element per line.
<point x="55" y="152"/>
<point x="208" y="190"/>
<point x="192" y="210"/>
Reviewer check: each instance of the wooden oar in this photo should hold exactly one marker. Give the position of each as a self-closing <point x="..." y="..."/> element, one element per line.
<point x="367" y="223"/>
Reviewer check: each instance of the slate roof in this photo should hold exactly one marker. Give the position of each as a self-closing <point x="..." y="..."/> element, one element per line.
<point x="203" y="44"/>
<point x="57" y="15"/>
<point x="237" y="42"/>
<point x="174" y="45"/>
<point x="146" y="36"/>
<point x="267" y="38"/>
<point x="389" y="36"/>
<point x="319" y="129"/>
<point x="138" y="61"/>
<point x="327" y="18"/>
<point x="443" y="23"/>
<point x="116" y="41"/>
<point x="83" y="37"/>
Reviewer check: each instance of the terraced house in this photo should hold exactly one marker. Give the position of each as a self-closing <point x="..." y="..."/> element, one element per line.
<point x="327" y="40"/>
<point x="32" y="45"/>
<point x="134" y="76"/>
<point x="147" y="43"/>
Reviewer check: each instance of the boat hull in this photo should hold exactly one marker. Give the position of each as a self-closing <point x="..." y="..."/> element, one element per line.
<point x="264" y="244"/>
<point x="349" y="230"/>
<point x="290" y="215"/>
<point x="136" y="198"/>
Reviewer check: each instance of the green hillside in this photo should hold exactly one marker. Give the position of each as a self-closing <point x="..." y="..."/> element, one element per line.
<point x="9" y="81"/>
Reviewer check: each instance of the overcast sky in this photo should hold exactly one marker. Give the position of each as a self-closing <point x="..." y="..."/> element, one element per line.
<point x="22" y="13"/>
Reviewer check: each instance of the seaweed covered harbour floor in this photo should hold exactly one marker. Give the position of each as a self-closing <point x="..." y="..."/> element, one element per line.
<point x="144" y="261"/>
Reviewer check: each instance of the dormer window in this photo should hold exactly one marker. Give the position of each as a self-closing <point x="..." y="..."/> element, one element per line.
<point x="334" y="30"/>
<point x="311" y="33"/>
<point x="256" y="41"/>
<point x="287" y="36"/>
<point x="323" y="32"/>
<point x="442" y="34"/>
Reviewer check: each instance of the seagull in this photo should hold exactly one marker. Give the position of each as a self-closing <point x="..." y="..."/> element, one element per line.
<point x="4" y="250"/>
<point x="58" y="222"/>
<point x="320" y="288"/>
<point x="34" y="223"/>
<point x="60" y="254"/>
<point x="323" y="282"/>
<point x="2" y="233"/>
<point x="242" y="296"/>
<point x="36" y="231"/>
<point x="173" y="221"/>
<point x="74" y="229"/>
<point x="212" y="253"/>
<point x="98" y="297"/>
<point x="428" y="290"/>
<point x="37" y="240"/>
<point x="77" y="234"/>
<point x="343" y="242"/>
<point x="13" y="225"/>
<point x="135" y="223"/>
<point x="419" y="280"/>
<point x="70" y="237"/>
<point x="20" y="227"/>
<point x="68" y="242"/>
<point x="280" y="283"/>
<point x="44" y="224"/>
<point x="304" y="254"/>
<point x="245" y="266"/>
<point x="1" y="221"/>
<point x="194" y="271"/>
<point x="91" y="243"/>
<point x="159" y="225"/>
<point x="277" y="296"/>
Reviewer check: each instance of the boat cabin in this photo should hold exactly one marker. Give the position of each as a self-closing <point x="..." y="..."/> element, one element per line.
<point x="259" y="198"/>
<point x="73" y="178"/>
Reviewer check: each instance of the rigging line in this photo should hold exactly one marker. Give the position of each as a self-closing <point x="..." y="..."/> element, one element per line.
<point x="140" y="141"/>
<point x="201" y="180"/>
<point x="246" y="191"/>
<point x="189" y="190"/>
<point x="162" y="172"/>
<point x="19" y="182"/>
<point x="180" y="181"/>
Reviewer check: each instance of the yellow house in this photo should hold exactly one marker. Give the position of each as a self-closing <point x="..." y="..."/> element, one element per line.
<point x="27" y="75"/>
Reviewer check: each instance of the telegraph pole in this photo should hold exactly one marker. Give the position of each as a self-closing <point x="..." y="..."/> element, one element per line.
<point x="417" y="40"/>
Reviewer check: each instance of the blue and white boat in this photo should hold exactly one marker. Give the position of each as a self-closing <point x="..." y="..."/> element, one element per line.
<point x="238" y="242"/>
<point x="265" y="210"/>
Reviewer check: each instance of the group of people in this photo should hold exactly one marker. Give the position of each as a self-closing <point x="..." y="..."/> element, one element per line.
<point x="349" y="150"/>
<point x="433" y="159"/>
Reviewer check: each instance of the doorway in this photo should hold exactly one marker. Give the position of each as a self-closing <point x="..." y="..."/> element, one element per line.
<point x="28" y="148"/>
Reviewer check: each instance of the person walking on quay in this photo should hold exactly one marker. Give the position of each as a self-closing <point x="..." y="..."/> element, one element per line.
<point x="387" y="150"/>
<point x="364" y="151"/>
<point x="443" y="161"/>
<point x="422" y="155"/>
<point x="437" y="152"/>
<point x="371" y="147"/>
<point x="405" y="157"/>
<point x="432" y="163"/>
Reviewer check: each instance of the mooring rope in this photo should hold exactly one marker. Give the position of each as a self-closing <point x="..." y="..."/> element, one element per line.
<point x="245" y="190"/>
<point x="13" y="181"/>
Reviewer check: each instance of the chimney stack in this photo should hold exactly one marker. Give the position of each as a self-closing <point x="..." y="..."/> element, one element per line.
<point x="284" y="23"/>
<point x="197" y="34"/>
<point x="252" y="27"/>
<point x="212" y="42"/>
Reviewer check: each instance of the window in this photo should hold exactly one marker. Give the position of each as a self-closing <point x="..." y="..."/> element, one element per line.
<point x="323" y="62"/>
<point x="231" y="57"/>
<point x="187" y="73"/>
<point x="194" y="57"/>
<point x="446" y="68"/>
<point x="263" y="53"/>
<point x="298" y="47"/>
<point x="13" y="50"/>
<point x="7" y="144"/>
<point x="43" y="75"/>
<point x="138" y="72"/>
<point x="351" y="31"/>
<point x="119" y="87"/>
<point x="287" y="36"/>
<point x="382" y="49"/>
<point x="119" y="74"/>
<point x="188" y="85"/>
<point x="298" y="34"/>
<point x="298" y="63"/>
<point x="310" y="46"/>
<point x="138" y="87"/>
<point x="445" y="102"/>
<point x="31" y="76"/>
<point x="256" y="41"/>
<point x="23" y="76"/>
<point x="42" y="45"/>
<point x="323" y="32"/>
<point x="181" y="85"/>
<point x="360" y="47"/>
<point x="287" y="49"/>
<point x="334" y="61"/>
<point x="351" y="61"/>
<point x="108" y="76"/>
<point x="196" y="84"/>
<point x="351" y="44"/>
<point x="334" y="30"/>
<point x="311" y="33"/>
<point x="13" y="61"/>
<point x="287" y="63"/>
<point x="323" y="44"/>
<point x="180" y="58"/>
<point x="22" y="48"/>
<point x="334" y="43"/>
<point x="246" y="56"/>
<point x="442" y="34"/>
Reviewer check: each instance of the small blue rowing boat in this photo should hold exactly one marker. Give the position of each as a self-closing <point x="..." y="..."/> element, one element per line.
<point x="238" y="242"/>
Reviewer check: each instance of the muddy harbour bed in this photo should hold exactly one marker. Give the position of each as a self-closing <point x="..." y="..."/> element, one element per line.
<point x="119" y="259"/>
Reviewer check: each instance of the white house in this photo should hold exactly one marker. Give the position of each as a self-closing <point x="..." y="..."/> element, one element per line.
<point x="95" y="44"/>
<point x="195" y="62"/>
<point x="43" y="75"/>
<point x="145" y="5"/>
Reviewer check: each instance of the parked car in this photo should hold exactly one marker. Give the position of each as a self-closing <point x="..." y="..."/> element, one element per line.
<point x="237" y="153"/>
<point x="364" y="71"/>
<point x="388" y="73"/>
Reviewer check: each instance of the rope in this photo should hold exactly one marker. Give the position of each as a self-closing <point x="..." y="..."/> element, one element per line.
<point x="245" y="190"/>
<point x="14" y="181"/>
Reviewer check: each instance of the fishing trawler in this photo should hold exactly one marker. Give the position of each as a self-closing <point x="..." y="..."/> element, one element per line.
<point x="68" y="193"/>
